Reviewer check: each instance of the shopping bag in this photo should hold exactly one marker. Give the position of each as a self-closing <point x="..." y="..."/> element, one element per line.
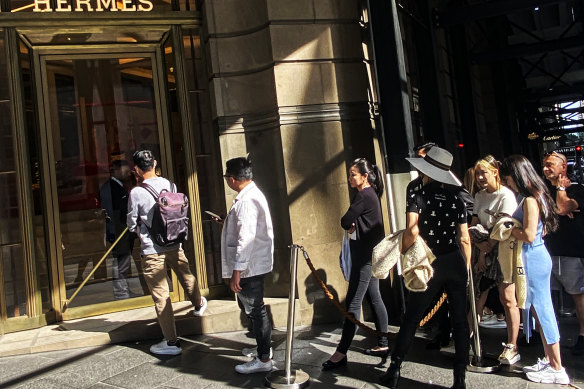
<point x="345" y="257"/>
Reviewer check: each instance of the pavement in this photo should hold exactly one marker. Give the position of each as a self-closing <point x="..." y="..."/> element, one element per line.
<point x="208" y="361"/>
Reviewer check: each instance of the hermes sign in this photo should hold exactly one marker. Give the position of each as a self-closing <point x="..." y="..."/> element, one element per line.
<point x="93" y="5"/>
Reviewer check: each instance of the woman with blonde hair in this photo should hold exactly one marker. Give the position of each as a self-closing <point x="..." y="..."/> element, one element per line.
<point x="492" y="200"/>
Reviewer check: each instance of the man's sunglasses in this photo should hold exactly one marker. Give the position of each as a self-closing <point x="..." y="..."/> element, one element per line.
<point x="557" y="155"/>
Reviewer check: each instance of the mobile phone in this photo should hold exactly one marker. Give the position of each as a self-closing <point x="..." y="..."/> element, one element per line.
<point x="213" y="215"/>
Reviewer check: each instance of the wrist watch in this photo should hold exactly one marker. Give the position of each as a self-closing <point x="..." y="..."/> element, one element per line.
<point x="560" y="188"/>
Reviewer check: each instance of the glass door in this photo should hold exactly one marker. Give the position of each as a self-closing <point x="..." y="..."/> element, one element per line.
<point x="98" y="109"/>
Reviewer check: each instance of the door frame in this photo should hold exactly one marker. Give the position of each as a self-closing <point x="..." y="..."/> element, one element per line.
<point x="40" y="56"/>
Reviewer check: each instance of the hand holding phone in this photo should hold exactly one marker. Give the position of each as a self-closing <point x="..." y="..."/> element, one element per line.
<point x="214" y="215"/>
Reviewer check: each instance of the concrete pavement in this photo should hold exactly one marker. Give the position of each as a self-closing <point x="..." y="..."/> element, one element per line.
<point x="208" y="360"/>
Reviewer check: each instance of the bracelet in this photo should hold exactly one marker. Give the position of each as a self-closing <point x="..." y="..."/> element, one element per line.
<point x="560" y="188"/>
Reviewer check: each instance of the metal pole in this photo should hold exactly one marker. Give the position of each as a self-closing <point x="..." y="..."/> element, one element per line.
<point x="291" y="306"/>
<point x="289" y="378"/>
<point x="68" y="301"/>
<point x="478" y="363"/>
<point x="473" y="310"/>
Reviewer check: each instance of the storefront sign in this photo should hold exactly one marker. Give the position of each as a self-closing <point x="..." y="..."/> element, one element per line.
<point x="93" y="6"/>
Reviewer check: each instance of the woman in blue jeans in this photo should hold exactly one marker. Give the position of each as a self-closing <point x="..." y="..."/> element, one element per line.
<point x="364" y="220"/>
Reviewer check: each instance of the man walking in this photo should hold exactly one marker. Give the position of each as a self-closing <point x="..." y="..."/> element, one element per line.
<point x="155" y="257"/>
<point x="566" y="244"/>
<point x="247" y="255"/>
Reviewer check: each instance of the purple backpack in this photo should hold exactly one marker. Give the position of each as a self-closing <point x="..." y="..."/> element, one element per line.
<point x="170" y="222"/>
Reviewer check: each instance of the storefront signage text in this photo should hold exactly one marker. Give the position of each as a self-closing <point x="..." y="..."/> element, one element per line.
<point x="98" y="6"/>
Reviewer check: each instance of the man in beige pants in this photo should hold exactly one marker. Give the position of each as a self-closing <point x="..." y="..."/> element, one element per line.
<point x="155" y="258"/>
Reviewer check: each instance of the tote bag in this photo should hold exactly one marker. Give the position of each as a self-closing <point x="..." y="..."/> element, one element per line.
<point x="345" y="257"/>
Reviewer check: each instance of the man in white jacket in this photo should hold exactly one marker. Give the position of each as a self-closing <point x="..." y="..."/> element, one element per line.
<point x="247" y="255"/>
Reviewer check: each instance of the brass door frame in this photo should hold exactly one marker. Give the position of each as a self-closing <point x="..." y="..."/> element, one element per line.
<point x="12" y="23"/>
<point x="40" y="57"/>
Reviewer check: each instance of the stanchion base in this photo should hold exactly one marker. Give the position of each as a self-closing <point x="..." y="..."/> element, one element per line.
<point x="484" y="364"/>
<point x="277" y="379"/>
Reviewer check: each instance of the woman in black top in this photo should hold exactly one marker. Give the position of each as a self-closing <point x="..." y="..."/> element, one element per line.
<point x="437" y="214"/>
<point x="364" y="219"/>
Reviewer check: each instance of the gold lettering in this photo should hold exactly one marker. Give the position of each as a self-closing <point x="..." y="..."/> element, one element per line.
<point x="45" y="3"/>
<point x="145" y="5"/>
<point x="61" y="6"/>
<point x="83" y="2"/>
<point x="128" y="6"/>
<point x="107" y="4"/>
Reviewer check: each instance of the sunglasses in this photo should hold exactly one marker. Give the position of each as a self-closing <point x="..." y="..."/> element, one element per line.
<point x="557" y="155"/>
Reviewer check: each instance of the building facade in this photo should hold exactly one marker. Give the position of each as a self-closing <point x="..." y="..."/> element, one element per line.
<point x="85" y="83"/>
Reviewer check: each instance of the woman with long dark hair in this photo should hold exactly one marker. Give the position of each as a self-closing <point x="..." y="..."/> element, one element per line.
<point x="364" y="219"/>
<point x="537" y="212"/>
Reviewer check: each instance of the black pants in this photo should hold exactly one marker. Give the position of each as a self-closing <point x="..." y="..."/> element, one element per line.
<point x="251" y="301"/>
<point x="451" y="275"/>
<point x="360" y="284"/>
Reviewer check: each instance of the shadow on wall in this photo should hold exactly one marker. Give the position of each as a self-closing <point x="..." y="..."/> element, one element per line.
<point x="323" y="308"/>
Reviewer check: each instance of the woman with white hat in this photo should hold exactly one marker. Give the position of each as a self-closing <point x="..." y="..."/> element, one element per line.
<point x="437" y="214"/>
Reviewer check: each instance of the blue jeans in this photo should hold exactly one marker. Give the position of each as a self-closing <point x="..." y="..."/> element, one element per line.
<point x="251" y="301"/>
<point x="362" y="284"/>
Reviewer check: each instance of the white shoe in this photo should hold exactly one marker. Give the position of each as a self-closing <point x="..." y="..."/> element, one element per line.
<point x="165" y="348"/>
<point x="253" y="352"/>
<point x="540" y="365"/>
<point x="549" y="376"/>
<point x="509" y="355"/>
<point x="199" y="312"/>
<point x="254" y="366"/>
<point x="492" y="322"/>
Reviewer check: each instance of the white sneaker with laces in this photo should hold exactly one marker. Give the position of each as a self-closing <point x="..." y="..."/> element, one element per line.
<point x="165" y="348"/>
<point x="541" y="364"/>
<point x="253" y="352"/>
<point x="199" y="312"/>
<point x="549" y="376"/>
<point x="254" y="366"/>
<point x="509" y="355"/>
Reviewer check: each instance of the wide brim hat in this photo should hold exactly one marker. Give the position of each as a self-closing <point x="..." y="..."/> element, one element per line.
<point x="436" y="165"/>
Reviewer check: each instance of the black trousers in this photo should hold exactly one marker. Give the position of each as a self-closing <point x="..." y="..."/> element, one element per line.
<point x="450" y="274"/>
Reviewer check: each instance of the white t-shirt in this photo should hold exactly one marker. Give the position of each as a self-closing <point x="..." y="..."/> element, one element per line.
<point x="499" y="201"/>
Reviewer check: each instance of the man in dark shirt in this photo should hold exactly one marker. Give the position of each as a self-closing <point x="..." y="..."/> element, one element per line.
<point x="566" y="244"/>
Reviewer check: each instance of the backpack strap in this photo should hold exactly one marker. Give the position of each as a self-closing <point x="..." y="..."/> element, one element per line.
<point x="150" y="190"/>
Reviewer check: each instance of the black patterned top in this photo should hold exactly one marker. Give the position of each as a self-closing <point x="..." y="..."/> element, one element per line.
<point x="440" y="211"/>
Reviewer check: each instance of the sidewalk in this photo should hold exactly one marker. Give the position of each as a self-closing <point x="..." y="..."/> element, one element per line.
<point x="207" y="361"/>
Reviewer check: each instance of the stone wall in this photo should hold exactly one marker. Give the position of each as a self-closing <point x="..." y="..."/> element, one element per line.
<point x="290" y="87"/>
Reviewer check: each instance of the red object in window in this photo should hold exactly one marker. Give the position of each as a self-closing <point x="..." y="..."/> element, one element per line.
<point x="460" y="145"/>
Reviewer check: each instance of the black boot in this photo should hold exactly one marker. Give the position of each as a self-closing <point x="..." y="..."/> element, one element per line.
<point x="391" y="377"/>
<point x="459" y="378"/>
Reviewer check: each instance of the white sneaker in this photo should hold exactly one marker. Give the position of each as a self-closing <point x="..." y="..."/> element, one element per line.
<point x="492" y="322"/>
<point x="165" y="348"/>
<point x="509" y="355"/>
<point x="549" y="376"/>
<point x="254" y="366"/>
<point x="540" y="365"/>
<point x="199" y="312"/>
<point x="253" y="352"/>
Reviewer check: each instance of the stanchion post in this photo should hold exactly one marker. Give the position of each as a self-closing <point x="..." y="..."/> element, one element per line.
<point x="289" y="378"/>
<point x="479" y="363"/>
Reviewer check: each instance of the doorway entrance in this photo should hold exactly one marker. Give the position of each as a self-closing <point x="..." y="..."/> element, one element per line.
<point x="95" y="109"/>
